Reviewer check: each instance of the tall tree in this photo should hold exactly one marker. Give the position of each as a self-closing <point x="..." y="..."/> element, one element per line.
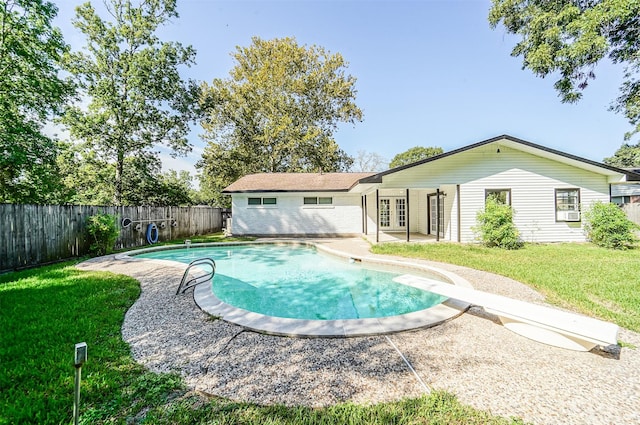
<point x="137" y="98"/>
<point x="276" y="112"/>
<point x="569" y="37"/>
<point x="31" y="93"/>
<point x="414" y="154"/>
<point x="627" y="156"/>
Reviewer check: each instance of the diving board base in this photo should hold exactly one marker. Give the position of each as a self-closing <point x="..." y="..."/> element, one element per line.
<point x="545" y="336"/>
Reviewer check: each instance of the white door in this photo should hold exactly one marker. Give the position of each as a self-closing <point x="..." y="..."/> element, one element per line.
<point x="433" y="216"/>
<point x="393" y="214"/>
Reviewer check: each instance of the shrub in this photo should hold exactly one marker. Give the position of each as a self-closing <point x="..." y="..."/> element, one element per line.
<point x="606" y="225"/>
<point x="495" y="225"/>
<point x="103" y="232"/>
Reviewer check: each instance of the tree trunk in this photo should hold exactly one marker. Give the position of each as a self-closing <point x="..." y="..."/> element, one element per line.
<point x="117" y="195"/>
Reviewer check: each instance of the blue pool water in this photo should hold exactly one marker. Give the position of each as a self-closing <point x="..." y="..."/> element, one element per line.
<point x="298" y="282"/>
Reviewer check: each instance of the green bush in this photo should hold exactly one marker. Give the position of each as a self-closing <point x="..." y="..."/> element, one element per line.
<point x="495" y="225"/>
<point x="103" y="232"/>
<point x="606" y="225"/>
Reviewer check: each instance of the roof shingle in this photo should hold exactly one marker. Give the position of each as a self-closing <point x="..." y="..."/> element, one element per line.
<point x="295" y="182"/>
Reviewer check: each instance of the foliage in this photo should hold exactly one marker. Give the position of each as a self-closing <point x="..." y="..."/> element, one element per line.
<point x="606" y="225"/>
<point x="438" y="407"/>
<point x="368" y="161"/>
<point x="277" y="112"/>
<point x="591" y="280"/>
<point x="75" y="306"/>
<point x="31" y="92"/>
<point x="103" y="231"/>
<point x="88" y="180"/>
<point x="627" y="156"/>
<point x="414" y="154"/>
<point x="495" y="225"/>
<point x="569" y="38"/>
<point x="138" y="99"/>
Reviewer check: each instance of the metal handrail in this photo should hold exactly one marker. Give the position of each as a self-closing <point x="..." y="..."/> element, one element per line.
<point x="184" y="284"/>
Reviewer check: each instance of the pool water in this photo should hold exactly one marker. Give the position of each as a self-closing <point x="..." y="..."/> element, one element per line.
<point x="298" y="282"/>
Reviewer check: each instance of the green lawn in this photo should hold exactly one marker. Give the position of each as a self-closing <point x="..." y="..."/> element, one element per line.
<point x="45" y="311"/>
<point x="595" y="281"/>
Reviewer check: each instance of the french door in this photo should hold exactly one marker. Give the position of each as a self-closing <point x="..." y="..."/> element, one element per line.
<point x="393" y="214"/>
<point x="436" y="209"/>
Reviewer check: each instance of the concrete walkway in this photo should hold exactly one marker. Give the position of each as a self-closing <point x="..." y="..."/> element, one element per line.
<point x="484" y="364"/>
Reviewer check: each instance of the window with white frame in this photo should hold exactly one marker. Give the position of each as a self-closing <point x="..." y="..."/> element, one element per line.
<point x="568" y="204"/>
<point x="262" y="201"/>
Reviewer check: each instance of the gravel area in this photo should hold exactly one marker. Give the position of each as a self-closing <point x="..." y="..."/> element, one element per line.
<point x="484" y="364"/>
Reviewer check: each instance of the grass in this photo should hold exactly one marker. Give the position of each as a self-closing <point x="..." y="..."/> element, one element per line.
<point x="599" y="282"/>
<point x="216" y="237"/>
<point x="44" y="312"/>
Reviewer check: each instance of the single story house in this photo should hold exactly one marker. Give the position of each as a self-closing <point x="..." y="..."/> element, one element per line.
<point x="437" y="197"/>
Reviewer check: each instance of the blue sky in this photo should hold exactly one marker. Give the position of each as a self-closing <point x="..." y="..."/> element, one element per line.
<point x="429" y="73"/>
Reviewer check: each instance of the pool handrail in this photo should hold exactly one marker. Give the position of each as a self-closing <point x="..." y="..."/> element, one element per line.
<point x="184" y="284"/>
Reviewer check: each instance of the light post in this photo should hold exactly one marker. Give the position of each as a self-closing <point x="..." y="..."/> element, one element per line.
<point x="80" y="358"/>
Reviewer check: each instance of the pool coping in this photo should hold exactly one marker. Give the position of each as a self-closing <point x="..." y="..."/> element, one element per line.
<point x="206" y="300"/>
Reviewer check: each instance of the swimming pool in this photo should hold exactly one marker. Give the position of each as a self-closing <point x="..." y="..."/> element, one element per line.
<point x="297" y="290"/>
<point x="297" y="282"/>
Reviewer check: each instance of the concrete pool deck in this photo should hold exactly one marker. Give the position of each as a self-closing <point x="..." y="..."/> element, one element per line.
<point x="471" y="356"/>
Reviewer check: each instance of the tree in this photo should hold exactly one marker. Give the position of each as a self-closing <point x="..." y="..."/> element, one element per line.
<point x="88" y="179"/>
<point x="627" y="156"/>
<point x="569" y="37"/>
<point x="137" y="97"/>
<point x="277" y="112"/>
<point x="414" y="154"/>
<point x="368" y="161"/>
<point x="31" y="93"/>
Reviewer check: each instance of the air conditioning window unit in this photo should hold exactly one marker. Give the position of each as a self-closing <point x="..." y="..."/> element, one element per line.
<point x="568" y="216"/>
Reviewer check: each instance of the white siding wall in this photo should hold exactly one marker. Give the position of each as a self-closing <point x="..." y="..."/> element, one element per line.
<point x="450" y="213"/>
<point x="372" y="211"/>
<point x="532" y="181"/>
<point x="420" y="208"/>
<point x="291" y="217"/>
<point x="415" y="213"/>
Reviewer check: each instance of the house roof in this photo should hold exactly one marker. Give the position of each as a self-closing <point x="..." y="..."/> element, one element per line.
<point x="296" y="182"/>
<point x="521" y="145"/>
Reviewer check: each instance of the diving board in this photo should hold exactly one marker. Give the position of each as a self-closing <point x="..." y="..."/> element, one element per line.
<point x="540" y="323"/>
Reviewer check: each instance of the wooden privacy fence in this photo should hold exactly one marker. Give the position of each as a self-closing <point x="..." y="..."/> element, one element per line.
<point x="632" y="211"/>
<point x="38" y="234"/>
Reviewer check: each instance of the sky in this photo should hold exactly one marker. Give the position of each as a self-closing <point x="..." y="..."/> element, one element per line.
<point x="429" y="73"/>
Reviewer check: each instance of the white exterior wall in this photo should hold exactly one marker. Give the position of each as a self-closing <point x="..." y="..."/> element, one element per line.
<point x="450" y="213"/>
<point x="532" y="180"/>
<point x="291" y="217"/>
<point x="415" y="217"/>
<point x="372" y="211"/>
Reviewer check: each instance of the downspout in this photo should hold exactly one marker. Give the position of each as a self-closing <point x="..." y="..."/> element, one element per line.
<point x="408" y="215"/>
<point x="437" y="215"/>
<point x="377" y="215"/>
